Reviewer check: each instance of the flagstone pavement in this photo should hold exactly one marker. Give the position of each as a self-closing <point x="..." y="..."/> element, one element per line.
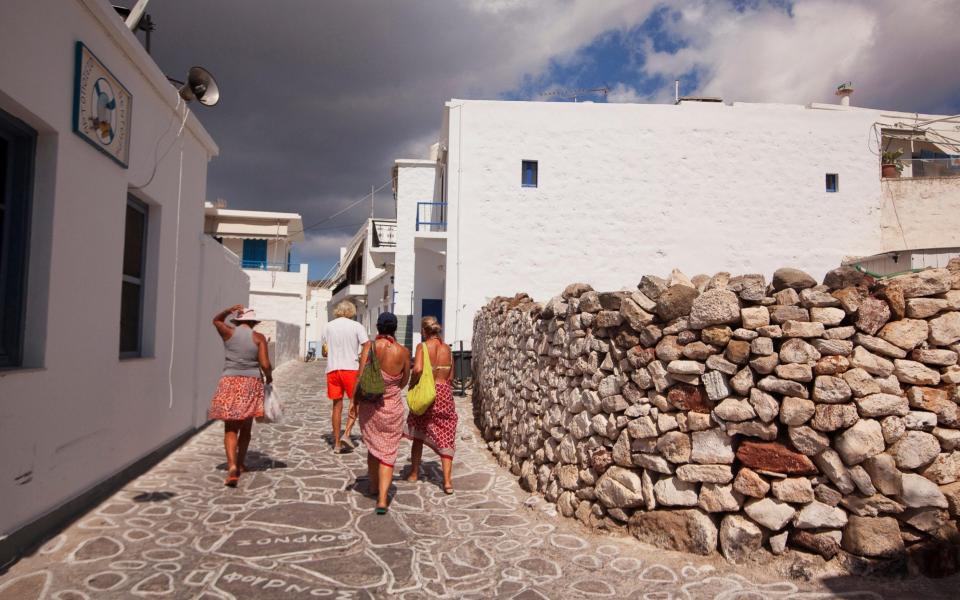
<point x="298" y="527"/>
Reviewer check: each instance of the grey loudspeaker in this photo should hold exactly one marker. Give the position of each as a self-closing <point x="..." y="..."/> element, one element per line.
<point x="200" y="86"/>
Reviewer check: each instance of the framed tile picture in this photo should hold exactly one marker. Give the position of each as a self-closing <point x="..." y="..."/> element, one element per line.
<point x="102" y="107"/>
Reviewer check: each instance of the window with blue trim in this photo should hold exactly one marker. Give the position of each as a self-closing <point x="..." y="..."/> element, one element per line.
<point x="254" y="254"/>
<point x="17" y="151"/>
<point x="833" y="182"/>
<point x="528" y="173"/>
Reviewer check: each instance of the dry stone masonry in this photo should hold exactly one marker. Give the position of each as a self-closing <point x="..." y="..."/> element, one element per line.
<point x="725" y="413"/>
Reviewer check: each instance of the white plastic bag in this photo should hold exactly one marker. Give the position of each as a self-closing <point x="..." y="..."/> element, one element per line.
<point x="272" y="405"/>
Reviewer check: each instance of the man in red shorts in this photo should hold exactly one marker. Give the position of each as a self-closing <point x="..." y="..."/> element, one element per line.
<point x="343" y="343"/>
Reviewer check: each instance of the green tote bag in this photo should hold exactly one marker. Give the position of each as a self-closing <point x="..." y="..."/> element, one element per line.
<point x="371" y="380"/>
<point x="422" y="395"/>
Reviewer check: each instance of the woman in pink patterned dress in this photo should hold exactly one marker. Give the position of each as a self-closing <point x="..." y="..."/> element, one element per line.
<point x="239" y="396"/>
<point x="381" y="420"/>
<point x="437" y="427"/>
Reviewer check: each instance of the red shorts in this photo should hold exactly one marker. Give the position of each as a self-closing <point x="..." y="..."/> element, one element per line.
<point x="341" y="382"/>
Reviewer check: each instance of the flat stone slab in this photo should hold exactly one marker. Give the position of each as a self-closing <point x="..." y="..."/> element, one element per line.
<point x="299" y="526"/>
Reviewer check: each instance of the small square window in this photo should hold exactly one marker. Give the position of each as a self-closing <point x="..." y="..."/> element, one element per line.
<point x="528" y="173"/>
<point x="833" y="182"/>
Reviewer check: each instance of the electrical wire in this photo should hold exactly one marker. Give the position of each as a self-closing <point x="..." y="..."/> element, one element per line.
<point x="157" y="159"/>
<point x="343" y="210"/>
<point x="176" y="268"/>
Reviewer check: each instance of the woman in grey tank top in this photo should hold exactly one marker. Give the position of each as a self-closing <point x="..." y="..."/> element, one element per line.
<point x="239" y="396"/>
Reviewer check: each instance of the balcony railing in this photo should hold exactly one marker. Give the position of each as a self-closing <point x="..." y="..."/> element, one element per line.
<point x="262" y="265"/>
<point x="431" y="216"/>
<point x="384" y="234"/>
<point x="916" y="168"/>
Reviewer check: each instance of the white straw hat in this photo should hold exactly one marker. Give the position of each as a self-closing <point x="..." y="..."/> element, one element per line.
<point x="247" y="314"/>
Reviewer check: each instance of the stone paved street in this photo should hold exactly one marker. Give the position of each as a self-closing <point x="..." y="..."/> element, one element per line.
<point x="296" y="527"/>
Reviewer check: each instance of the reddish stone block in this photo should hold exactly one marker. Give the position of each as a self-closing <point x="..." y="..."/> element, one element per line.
<point x="690" y="398"/>
<point x="775" y="457"/>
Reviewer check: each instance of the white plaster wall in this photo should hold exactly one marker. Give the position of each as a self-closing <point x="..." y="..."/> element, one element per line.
<point x="375" y="303"/>
<point x="920" y="213"/>
<point x="281" y="296"/>
<point x="283" y="341"/>
<point x="415" y="183"/>
<point x="222" y="284"/>
<point x="77" y="414"/>
<point x="317" y="302"/>
<point x="630" y="189"/>
<point x="429" y="283"/>
<point x="370" y="268"/>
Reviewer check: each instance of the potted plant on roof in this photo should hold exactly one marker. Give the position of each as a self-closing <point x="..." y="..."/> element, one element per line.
<point x="890" y="163"/>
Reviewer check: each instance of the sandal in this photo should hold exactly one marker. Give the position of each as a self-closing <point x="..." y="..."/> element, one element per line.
<point x="380" y="510"/>
<point x="448" y="490"/>
<point x="232" y="479"/>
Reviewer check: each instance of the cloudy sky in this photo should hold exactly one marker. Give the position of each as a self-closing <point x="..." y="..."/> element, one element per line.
<point x="319" y="96"/>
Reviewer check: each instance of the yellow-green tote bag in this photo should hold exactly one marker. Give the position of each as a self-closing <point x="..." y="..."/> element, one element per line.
<point x="422" y="395"/>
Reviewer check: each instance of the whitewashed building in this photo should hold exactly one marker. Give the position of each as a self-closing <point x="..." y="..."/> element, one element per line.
<point x="531" y="196"/>
<point x="364" y="273"/>
<point x="108" y="284"/>
<point x="318" y="300"/>
<point x="264" y="240"/>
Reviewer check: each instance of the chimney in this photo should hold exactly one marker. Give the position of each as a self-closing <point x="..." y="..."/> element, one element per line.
<point x="845" y="90"/>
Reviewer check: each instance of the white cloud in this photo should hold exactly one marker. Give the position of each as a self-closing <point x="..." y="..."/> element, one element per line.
<point x="622" y="92"/>
<point x="899" y="55"/>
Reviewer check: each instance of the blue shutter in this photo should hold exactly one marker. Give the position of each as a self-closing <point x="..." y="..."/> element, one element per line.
<point x="254" y="254"/>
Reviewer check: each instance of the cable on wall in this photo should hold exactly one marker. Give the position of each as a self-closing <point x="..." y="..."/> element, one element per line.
<point x="176" y="264"/>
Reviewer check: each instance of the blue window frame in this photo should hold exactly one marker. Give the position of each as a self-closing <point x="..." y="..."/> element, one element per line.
<point x="134" y="271"/>
<point x="17" y="152"/>
<point x="833" y="182"/>
<point x="528" y="173"/>
<point x="254" y="254"/>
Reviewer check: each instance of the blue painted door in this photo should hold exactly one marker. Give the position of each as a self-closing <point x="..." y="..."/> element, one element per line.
<point x="433" y="308"/>
<point x="254" y="254"/>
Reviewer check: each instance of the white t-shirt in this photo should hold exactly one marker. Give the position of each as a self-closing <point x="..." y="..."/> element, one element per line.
<point x="344" y="338"/>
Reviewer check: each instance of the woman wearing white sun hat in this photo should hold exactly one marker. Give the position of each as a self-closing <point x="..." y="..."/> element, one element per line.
<point x="239" y="396"/>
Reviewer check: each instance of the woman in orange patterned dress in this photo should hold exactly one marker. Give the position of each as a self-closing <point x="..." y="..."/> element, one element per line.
<point x="437" y="428"/>
<point x="239" y="396"/>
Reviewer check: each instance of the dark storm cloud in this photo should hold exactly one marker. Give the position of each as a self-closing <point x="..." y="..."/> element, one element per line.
<point x="319" y="98"/>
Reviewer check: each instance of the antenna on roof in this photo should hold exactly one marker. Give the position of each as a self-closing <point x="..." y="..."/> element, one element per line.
<point x="574" y="94"/>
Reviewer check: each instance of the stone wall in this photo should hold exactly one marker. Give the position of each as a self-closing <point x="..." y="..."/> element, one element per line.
<point x="726" y="413"/>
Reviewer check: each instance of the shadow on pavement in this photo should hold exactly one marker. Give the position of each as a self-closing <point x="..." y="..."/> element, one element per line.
<point x="153" y="496"/>
<point x="258" y="461"/>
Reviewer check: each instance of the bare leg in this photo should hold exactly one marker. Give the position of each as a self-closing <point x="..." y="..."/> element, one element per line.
<point x="416" y="453"/>
<point x="373" y="474"/>
<point x="336" y="415"/>
<point x="230" y="431"/>
<point x="243" y="443"/>
<point x="352" y="413"/>
<point x="447" y="465"/>
<point x="385" y="477"/>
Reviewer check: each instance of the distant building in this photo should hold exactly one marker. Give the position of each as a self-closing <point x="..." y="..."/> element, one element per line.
<point x="364" y="274"/>
<point x="318" y="301"/>
<point x="264" y="241"/>
<point x="531" y="196"/>
<point x="107" y="283"/>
